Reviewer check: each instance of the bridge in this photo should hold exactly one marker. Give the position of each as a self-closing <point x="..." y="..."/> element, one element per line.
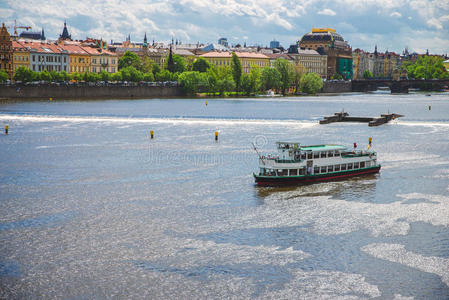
<point x="396" y="86"/>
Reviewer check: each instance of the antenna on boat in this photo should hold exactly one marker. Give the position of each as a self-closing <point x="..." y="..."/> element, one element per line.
<point x="260" y="157"/>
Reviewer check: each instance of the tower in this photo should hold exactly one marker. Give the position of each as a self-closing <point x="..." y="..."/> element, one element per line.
<point x="65" y="33"/>
<point x="43" y="35"/>
<point x="145" y="43"/>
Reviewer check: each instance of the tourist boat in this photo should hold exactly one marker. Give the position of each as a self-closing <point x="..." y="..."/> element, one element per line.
<point x="296" y="164"/>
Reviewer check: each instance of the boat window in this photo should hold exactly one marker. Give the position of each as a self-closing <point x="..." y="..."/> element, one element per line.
<point x="337" y="153"/>
<point x="362" y="164"/>
<point x="282" y="172"/>
<point x="337" y="168"/>
<point x="343" y="167"/>
<point x="323" y="154"/>
<point x="330" y="169"/>
<point x="368" y="164"/>
<point x="309" y="155"/>
<point x="316" y="154"/>
<point x="302" y="171"/>
<point x="316" y="170"/>
<point x="350" y="166"/>
<point x="356" y="165"/>
<point x="303" y="155"/>
<point x="330" y="154"/>
<point x="293" y="172"/>
<point x="323" y="169"/>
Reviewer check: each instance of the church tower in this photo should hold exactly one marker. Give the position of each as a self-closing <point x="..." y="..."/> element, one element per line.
<point x="65" y="33"/>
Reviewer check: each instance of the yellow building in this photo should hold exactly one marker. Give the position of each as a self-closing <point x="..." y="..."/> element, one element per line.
<point x="79" y="59"/>
<point x="21" y="56"/>
<point x="247" y="59"/>
<point x="102" y="60"/>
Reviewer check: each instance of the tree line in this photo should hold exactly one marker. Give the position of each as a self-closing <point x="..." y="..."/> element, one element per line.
<point x="195" y="75"/>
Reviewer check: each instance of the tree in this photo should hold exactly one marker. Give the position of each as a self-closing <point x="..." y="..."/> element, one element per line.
<point x="131" y="74"/>
<point x="337" y="76"/>
<point x="270" y="79"/>
<point x="251" y="81"/>
<point x="147" y="65"/>
<point x="155" y="69"/>
<point x="200" y="65"/>
<point x="367" y="74"/>
<point x="148" y="77"/>
<point x="117" y="76"/>
<point x="129" y="59"/>
<point x="178" y="66"/>
<point x="236" y="67"/>
<point x="24" y="74"/>
<point x="287" y="72"/>
<point x="105" y="76"/>
<point x="45" y="75"/>
<point x="4" y="76"/>
<point x="427" y="67"/>
<point x="163" y="75"/>
<point x="191" y="81"/>
<point x="311" y="83"/>
<point x="300" y="71"/>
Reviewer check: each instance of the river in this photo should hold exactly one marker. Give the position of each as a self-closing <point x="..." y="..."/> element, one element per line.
<point x="92" y="208"/>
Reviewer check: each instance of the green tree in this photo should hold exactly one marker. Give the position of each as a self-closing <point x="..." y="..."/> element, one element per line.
<point x="178" y="66"/>
<point x="236" y="67"/>
<point x="131" y="74"/>
<point x="287" y="72"/>
<point x="129" y="59"/>
<point x="311" y="83"/>
<point x="117" y="76"/>
<point x="191" y="81"/>
<point x="24" y="74"/>
<point x="155" y="69"/>
<point x="337" y="76"/>
<point x="427" y="67"/>
<point x="45" y="75"/>
<point x="254" y="77"/>
<point x="65" y="76"/>
<point x="367" y="74"/>
<point x="4" y="76"/>
<point x="105" y="76"/>
<point x="300" y="71"/>
<point x="200" y="64"/>
<point x="148" y="77"/>
<point x="147" y="65"/>
<point x="270" y="79"/>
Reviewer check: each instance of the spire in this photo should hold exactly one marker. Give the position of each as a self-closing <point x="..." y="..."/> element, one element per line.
<point x="375" y="50"/>
<point x="65" y="33"/>
<point x="43" y="35"/>
<point x="145" y="43"/>
<point x="427" y="52"/>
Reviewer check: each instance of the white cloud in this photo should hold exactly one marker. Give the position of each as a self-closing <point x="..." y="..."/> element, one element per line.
<point x="435" y="23"/>
<point x="395" y="14"/>
<point x="327" y="12"/>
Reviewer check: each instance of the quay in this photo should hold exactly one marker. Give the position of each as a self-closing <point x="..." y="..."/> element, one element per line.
<point x="372" y="121"/>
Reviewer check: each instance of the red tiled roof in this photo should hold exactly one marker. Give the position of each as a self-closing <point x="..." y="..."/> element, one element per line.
<point x="239" y="54"/>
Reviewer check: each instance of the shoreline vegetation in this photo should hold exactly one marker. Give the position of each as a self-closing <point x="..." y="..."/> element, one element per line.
<point x="196" y="77"/>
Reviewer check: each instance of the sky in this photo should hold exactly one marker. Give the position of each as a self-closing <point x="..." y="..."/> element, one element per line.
<point x="390" y="24"/>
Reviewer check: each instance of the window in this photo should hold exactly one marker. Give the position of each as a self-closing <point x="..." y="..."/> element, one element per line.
<point x="356" y="165"/>
<point x="34" y="57"/>
<point x="362" y="164"/>
<point x="316" y="155"/>
<point x="293" y="172"/>
<point x="343" y="167"/>
<point x="337" y="168"/>
<point x="113" y="70"/>
<point x="330" y="168"/>
<point x="337" y="153"/>
<point x="323" y="169"/>
<point x="323" y="154"/>
<point x="64" y="59"/>
<point x="303" y="155"/>
<point x="330" y="154"/>
<point x="302" y="171"/>
<point x="34" y="68"/>
<point x="316" y="170"/>
<point x="309" y="155"/>
<point x="350" y="166"/>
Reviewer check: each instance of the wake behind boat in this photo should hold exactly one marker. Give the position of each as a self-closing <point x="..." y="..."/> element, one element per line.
<point x="296" y="164"/>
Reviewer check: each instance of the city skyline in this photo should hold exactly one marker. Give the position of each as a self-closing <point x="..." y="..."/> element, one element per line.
<point x="391" y="25"/>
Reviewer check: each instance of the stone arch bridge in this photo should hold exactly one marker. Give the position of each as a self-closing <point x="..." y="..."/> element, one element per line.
<point x="396" y="86"/>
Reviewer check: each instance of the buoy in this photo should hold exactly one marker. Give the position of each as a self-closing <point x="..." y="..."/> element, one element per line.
<point x="51" y="99"/>
<point x="216" y="135"/>
<point x="370" y="139"/>
<point x="6" y="129"/>
<point x="206" y="102"/>
<point x="152" y="134"/>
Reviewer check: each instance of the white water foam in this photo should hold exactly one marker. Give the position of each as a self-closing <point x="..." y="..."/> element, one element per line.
<point x="123" y="120"/>
<point x="397" y="253"/>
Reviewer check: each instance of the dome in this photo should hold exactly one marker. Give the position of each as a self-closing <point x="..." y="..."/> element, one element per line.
<point x="322" y="36"/>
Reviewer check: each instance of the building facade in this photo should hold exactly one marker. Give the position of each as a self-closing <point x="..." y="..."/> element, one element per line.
<point x="327" y="41"/>
<point x="6" y="52"/>
<point x="247" y="59"/>
<point x="312" y="61"/>
<point x="79" y="59"/>
<point x="102" y="60"/>
<point x="21" y="56"/>
<point x="47" y="56"/>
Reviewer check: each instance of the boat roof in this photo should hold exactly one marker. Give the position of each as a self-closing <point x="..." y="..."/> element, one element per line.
<point x="328" y="147"/>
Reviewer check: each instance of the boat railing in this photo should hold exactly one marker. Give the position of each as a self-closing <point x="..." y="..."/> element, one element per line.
<point x="357" y="153"/>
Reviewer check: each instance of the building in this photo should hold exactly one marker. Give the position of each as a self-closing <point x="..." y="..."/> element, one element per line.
<point x="273" y="56"/>
<point x="223" y="42"/>
<point x="247" y="59"/>
<point x="101" y="60"/>
<point x="327" y="41"/>
<point x="65" y="33"/>
<point x="33" y="35"/>
<point x="47" y="56"/>
<point x="312" y="61"/>
<point x="214" y="47"/>
<point x="79" y="59"/>
<point x="21" y="56"/>
<point x="274" y="44"/>
<point x="6" y="52"/>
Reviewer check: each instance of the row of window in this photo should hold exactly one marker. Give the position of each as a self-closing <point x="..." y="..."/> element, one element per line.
<point x="49" y="68"/>
<point x="20" y="58"/>
<point x="48" y="58"/>
<point x="322" y="154"/>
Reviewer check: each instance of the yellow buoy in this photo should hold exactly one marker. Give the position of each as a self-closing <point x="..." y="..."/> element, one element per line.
<point x="51" y="99"/>
<point x="152" y="133"/>
<point x="216" y="135"/>
<point x="6" y="129"/>
<point x="370" y="140"/>
<point x="206" y="102"/>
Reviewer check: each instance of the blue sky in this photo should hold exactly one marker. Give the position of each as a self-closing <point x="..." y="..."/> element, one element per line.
<point x="391" y="24"/>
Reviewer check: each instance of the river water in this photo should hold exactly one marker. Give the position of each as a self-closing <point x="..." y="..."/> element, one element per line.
<point x="91" y="208"/>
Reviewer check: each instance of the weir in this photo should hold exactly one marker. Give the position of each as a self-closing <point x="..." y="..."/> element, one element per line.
<point x="372" y="121"/>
